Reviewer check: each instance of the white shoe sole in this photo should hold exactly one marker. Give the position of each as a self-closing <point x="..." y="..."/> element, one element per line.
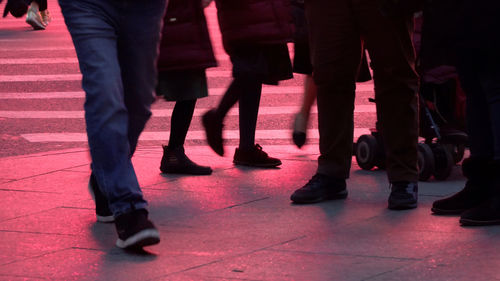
<point x="106" y="219"/>
<point x="142" y="238"/>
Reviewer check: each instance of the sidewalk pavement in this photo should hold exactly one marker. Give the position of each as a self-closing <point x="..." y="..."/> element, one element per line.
<point x="237" y="224"/>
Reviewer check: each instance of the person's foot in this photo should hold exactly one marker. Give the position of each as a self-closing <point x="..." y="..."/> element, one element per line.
<point x="486" y="213"/>
<point x="135" y="230"/>
<point x="213" y="129"/>
<point x="299" y="134"/>
<point x="34" y="19"/>
<point x="474" y="193"/>
<point x="320" y="188"/>
<point x="46" y="17"/>
<point x="255" y="157"/>
<point x="467" y="198"/>
<point x="102" y="211"/>
<point x="175" y="161"/>
<point x="404" y="195"/>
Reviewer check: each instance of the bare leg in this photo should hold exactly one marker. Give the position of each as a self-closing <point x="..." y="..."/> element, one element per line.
<point x="302" y="118"/>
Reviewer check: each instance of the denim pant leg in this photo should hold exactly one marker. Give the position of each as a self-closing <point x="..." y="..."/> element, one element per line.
<point x="94" y="27"/>
<point x="138" y="39"/>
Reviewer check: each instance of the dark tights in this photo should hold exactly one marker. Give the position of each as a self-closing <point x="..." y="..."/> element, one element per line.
<point x="42" y="4"/>
<point x="180" y="121"/>
<point x="246" y="90"/>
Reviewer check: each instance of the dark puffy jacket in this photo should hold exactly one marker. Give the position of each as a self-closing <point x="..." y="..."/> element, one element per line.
<point x="185" y="42"/>
<point x="254" y="21"/>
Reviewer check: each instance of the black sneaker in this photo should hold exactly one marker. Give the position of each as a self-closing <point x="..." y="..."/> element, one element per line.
<point x="404" y="195"/>
<point x="175" y="161"/>
<point x="213" y="129"/>
<point x="102" y="211"/>
<point x="320" y="188"/>
<point x="254" y="157"/>
<point x="135" y="230"/>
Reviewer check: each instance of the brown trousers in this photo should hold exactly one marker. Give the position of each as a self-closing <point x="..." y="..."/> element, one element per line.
<point x="339" y="29"/>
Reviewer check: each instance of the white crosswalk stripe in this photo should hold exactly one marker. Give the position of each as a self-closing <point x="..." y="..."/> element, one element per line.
<point x="22" y="53"/>
<point x="192" y="135"/>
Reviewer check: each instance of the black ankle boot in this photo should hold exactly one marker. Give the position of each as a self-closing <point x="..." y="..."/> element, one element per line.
<point x="488" y="211"/>
<point x="474" y="192"/>
<point x="175" y="161"/>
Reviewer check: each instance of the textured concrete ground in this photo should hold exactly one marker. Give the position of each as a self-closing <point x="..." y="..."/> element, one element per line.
<point x="237" y="224"/>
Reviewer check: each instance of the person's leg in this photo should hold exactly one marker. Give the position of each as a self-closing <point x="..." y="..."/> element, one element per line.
<point x="396" y="83"/>
<point x="33" y="15"/>
<point x="174" y="160"/>
<point x="389" y="44"/>
<point x="137" y="53"/>
<point x="214" y="118"/>
<point x="42" y="4"/>
<point x="336" y="52"/>
<point x="302" y="118"/>
<point x="248" y="110"/>
<point x="106" y="116"/>
<point x="483" y="116"/>
<point x="475" y="168"/>
<point x="180" y="122"/>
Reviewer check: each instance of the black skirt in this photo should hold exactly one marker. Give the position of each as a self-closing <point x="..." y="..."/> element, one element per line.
<point x="179" y="85"/>
<point x="268" y="63"/>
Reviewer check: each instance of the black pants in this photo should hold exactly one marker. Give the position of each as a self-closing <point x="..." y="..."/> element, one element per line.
<point x="42" y="4"/>
<point x="338" y="31"/>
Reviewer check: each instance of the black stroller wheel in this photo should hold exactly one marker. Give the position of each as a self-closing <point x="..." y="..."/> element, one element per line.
<point x="444" y="162"/>
<point x="366" y="151"/>
<point x="426" y="162"/>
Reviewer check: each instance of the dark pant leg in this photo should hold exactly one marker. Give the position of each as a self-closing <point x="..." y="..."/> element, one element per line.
<point x="42" y="4"/>
<point x="138" y="38"/>
<point x="335" y="52"/>
<point x="389" y="44"/>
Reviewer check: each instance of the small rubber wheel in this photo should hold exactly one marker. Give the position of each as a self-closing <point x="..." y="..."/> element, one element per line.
<point x="426" y="162"/>
<point x="443" y="160"/>
<point x="366" y="151"/>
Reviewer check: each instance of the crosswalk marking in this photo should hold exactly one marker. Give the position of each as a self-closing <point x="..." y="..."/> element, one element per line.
<point x="192" y="135"/>
<point x="268" y="90"/>
<point x="78" y="77"/>
<point x="264" y="110"/>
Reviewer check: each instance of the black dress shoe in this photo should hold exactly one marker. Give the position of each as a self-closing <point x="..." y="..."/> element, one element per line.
<point x="320" y="188"/>
<point x="487" y="213"/>
<point x="255" y="157"/>
<point x="213" y="129"/>
<point x="175" y="161"/>
<point x="404" y="195"/>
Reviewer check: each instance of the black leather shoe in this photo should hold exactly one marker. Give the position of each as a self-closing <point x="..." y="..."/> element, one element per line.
<point x="474" y="193"/>
<point x="320" y="188"/>
<point x="254" y="157"/>
<point x="175" y="161"/>
<point x="404" y="195"/>
<point x="487" y="213"/>
<point x="213" y="129"/>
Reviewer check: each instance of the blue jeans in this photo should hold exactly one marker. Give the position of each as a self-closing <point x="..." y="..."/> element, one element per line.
<point x="116" y="42"/>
